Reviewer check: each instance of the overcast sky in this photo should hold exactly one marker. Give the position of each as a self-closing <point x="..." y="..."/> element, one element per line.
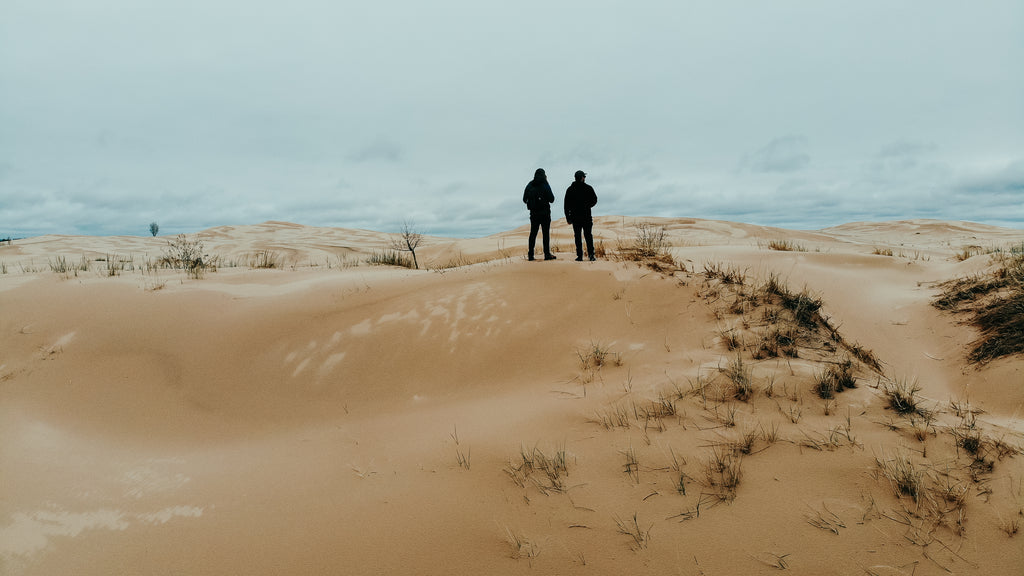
<point x="796" y="113"/>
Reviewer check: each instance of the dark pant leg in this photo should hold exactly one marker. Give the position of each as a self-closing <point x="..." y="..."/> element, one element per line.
<point x="546" y="230"/>
<point x="588" y="233"/>
<point x="577" y="229"/>
<point x="534" y="225"/>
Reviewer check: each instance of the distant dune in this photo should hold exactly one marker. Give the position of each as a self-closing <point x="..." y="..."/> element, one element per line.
<point x="707" y="398"/>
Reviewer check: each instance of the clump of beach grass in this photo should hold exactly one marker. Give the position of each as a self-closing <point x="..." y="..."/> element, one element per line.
<point x="390" y="258"/>
<point x="725" y="274"/>
<point x="786" y="246"/>
<point x="905" y="478"/>
<point x="649" y="246"/>
<point x="902" y="395"/>
<point x="597" y="355"/>
<point x="834" y="379"/>
<point x="265" y="259"/>
<point x="723" y="471"/>
<point x="739" y="376"/>
<point x="994" y="303"/>
<point x="546" y="472"/>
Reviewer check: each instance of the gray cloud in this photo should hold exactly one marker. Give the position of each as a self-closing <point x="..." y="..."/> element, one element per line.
<point x="784" y="154"/>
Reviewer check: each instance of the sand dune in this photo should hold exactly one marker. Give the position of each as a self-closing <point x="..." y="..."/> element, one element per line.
<point x="331" y="417"/>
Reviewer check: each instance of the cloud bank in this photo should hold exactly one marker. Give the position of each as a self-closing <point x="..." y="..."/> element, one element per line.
<point x="196" y="114"/>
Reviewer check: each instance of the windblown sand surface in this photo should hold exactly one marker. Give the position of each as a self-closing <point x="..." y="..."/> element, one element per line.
<point x="331" y="417"/>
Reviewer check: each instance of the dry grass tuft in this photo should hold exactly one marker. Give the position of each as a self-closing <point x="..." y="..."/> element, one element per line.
<point x="742" y="383"/>
<point x="725" y="274"/>
<point x="834" y="379"/>
<point x="631" y="467"/>
<point x="786" y="246"/>
<point x="265" y="259"/>
<point x="522" y="547"/>
<point x="902" y="395"/>
<point x="867" y="357"/>
<point x="723" y="471"/>
<point x="632" y="529"/>
<point x="1011" y="527"/>
<point x="903" y="475"/>
<point x="390" y="258"/>
<point x="596" y="356"/>
<point x="650" y="247"/>
<point x="616" y="416"/>
<point x="547" y="473"/>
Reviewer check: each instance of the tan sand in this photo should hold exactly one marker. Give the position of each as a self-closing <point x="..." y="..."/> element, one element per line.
<point x="331" y="417"/>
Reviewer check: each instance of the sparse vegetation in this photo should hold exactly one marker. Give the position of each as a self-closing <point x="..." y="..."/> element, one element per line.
<point x="117" y="264"/>
<point x="904" y="476"/>
<point x="745" y="441"/>
<point x="615" y="417"/>
<point x="265" y="259"/>
<point x="902" y="395"/>
<point x="835" y="378"/>
<point x="597" y="355"/>
<point x="632" y="529"/>
<point x="723" y="471"/>
<point x="739" y="375"/>
<point x="632" y="467"/>
<point x="1011" y="526"/>
<point x="66" y="268"/>
<point x="650" y="241"/>
<point x="649" y="246"/>
<point x="456" y="261"/>
<point x="725" y="274"/>
<point x="867" y="357"/>
<point x="461" y="456"/>
<point x="408" y="240"/>
<point x="522" y="547"/>
<point x="390" y="258"/>
<point x="536" y="468"/>
<point x="968" y="252"/>
<point x="994" y="303"/>
<point x="786" y="246"/>
<point x="183" y="253"/>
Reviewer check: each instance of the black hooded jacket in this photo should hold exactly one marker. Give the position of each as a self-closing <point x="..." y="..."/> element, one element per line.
<point x="538" y="196"/>
<point x="579" y="199"/>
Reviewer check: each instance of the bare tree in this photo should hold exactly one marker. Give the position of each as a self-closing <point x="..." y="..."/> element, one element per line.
<point x="407" y="241"/>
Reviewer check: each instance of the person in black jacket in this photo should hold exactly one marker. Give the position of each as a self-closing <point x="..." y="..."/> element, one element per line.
<point x="579" y="199"/>
<point x="538" y="198"/>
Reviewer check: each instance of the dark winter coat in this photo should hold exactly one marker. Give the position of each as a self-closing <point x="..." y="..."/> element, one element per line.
<point x="579" y="199"/>
<point x="538" y="198"/>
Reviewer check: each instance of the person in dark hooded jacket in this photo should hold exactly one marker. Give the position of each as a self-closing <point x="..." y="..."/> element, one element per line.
<point x="538" y="198"/>
<point x="579" y="199"/>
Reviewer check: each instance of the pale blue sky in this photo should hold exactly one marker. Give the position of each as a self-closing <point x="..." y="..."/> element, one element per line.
<point x="797" y="113"/>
